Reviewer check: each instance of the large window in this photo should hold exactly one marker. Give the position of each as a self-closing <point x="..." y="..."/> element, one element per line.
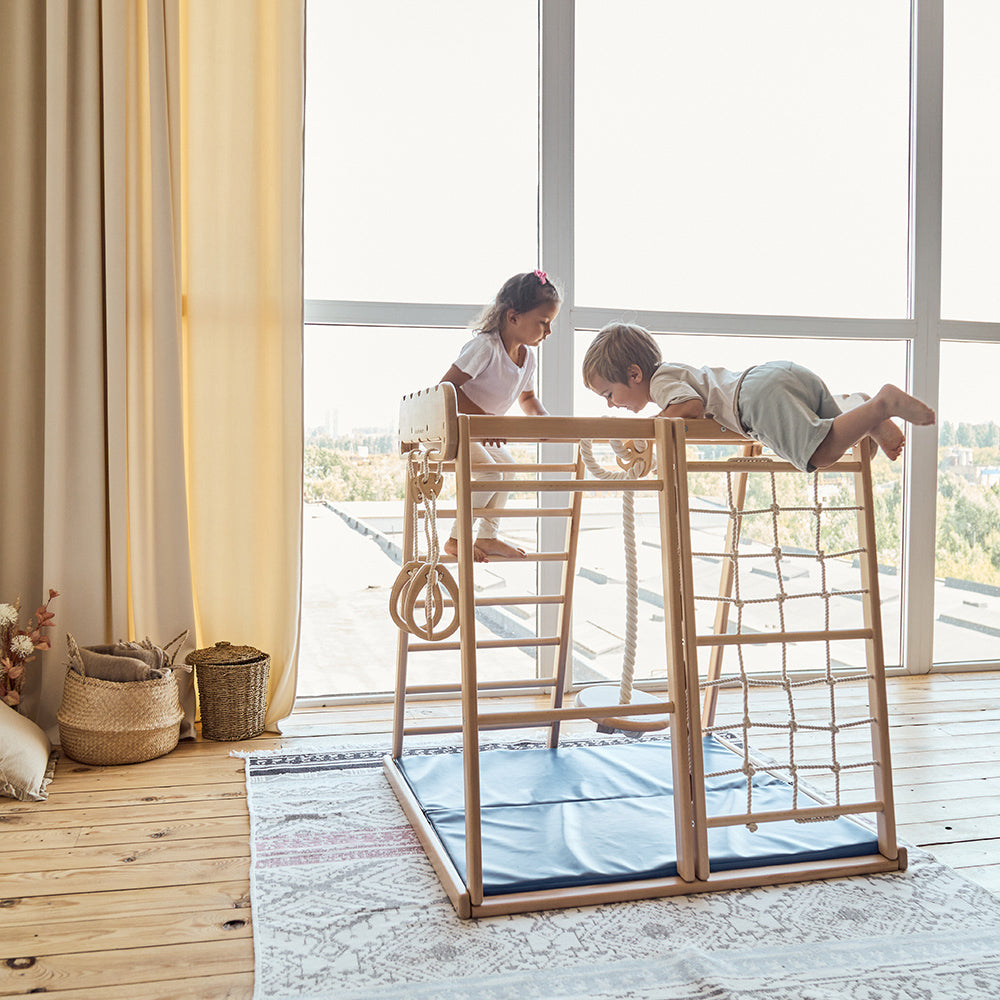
<point x="967" y="608"/>
<point x="750" y="181"/>
<point x="742" y="158"/>
<point x="970" y="260"/>
<point x="421" y="148"/>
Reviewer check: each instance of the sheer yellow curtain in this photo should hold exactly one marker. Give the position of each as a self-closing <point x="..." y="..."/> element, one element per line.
<point x="153" y="296"/>
<point x="241" y="184"/>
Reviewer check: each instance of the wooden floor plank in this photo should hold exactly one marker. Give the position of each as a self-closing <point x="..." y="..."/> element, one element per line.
<point x="166" y="812"/>
<point x="125" y="798"/>
<point x="115" y="856"/>
<point x="98" y="970"/>
<point x="97" y="880"/>
<point x="61" y="837"/>
<point x="124" y="904"/>
<point x="234" y="986"/>
<point x="115" y="934"/>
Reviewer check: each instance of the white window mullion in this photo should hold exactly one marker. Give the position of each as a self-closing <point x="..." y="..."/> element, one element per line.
<point x="555" y="240"/>
<point x="920" y="488"/>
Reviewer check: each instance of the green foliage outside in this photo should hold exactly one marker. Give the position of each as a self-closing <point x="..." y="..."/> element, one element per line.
<point x="369" y="467"/>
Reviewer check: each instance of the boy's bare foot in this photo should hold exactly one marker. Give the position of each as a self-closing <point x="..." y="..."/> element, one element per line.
<point x="901" y="404"/>
<point x="889" y="438"/>
<point x="483" y="548"/>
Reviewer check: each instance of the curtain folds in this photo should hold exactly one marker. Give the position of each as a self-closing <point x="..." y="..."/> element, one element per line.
<point x="153" y="306"/>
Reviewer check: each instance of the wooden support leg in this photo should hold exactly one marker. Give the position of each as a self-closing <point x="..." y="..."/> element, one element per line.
<point x="711" y="698"/>
<point x="565" y="631"/>
<point x="403" y="639"/>
<point x="872" y="605"/>
<point x="470" y="679"/>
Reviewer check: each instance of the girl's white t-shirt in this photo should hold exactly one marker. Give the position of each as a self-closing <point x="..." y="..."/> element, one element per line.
<point x="495" y="382"/>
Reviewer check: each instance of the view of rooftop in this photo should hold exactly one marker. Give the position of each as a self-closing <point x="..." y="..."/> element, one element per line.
<point x="352" y="558"/>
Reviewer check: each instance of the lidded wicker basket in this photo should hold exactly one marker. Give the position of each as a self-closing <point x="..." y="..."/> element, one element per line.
<point x="232" y="690"/>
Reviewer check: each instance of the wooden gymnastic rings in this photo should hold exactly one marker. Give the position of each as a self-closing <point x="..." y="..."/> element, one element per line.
<point x="397" y="596"/>
<point x="421" y="579"/>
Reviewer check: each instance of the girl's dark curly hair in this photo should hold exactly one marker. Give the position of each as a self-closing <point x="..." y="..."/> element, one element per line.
<point x="521" y="293"/>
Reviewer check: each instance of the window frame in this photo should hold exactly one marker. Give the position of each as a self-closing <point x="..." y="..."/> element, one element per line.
<point x="923" y="330"/>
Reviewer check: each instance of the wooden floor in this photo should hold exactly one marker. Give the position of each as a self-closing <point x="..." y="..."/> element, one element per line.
<point x="132" y="882"/>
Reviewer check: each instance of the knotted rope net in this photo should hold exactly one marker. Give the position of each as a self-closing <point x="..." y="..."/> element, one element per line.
<point x="800" y="724"/>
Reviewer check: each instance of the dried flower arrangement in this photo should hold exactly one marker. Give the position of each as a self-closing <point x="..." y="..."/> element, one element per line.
<point x="18" y="646"/>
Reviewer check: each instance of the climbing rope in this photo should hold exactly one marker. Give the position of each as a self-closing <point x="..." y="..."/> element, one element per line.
<point x="634" y="461"/>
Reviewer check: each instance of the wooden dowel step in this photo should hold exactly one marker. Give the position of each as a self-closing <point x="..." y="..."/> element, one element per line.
<point x="814" y="812"/>
<point x="423" y="647"/>
<point x="761" y="465"/>
<point x="492" y="602"/>
<point x="508" y="512"/>
<point x="430" y="729"/>
<point x="535" y="682"/>
<point x="540" y="716"/>
<point x="519" y="467"/>
<point x="760" y="638"/>
<point x="487" y="427"/>
<point x="527" y="557"/>
<point x="566" y="486"/>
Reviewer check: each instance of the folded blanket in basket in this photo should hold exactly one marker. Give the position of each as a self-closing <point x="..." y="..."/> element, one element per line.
<point x="123" y="661"/>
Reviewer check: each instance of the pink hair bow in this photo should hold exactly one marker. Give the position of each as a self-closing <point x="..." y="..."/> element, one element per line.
<point x="541" y="276"/>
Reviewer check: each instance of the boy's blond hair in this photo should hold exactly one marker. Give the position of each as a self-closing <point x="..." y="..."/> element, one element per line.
<point x="615" y="349"/>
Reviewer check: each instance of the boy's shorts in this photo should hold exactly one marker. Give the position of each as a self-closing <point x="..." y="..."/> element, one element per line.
<point x="788" y="408"/>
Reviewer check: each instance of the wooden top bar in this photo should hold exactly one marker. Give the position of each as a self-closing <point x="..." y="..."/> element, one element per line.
<point x="430" y="417"/>
<point x="593" y="429"/>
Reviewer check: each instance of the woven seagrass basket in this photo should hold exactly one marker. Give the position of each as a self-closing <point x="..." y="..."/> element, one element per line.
<point x="232" y="690"/>
<point x="118" y="722"/>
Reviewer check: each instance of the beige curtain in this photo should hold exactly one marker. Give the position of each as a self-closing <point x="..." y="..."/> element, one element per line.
<point x="152" y="317"/>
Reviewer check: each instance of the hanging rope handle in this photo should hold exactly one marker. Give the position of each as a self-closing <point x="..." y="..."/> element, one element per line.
<point x="635" y="460"/>
<point x="426" y="575"/>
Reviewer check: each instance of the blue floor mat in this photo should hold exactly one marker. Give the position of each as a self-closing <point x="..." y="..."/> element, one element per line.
<point x="587" y="815"/>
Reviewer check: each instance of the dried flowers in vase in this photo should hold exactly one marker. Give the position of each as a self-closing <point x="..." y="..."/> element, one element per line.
<point x="18" y="646"/>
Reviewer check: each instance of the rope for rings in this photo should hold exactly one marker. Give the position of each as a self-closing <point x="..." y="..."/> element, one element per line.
<point x="635" y="462"/>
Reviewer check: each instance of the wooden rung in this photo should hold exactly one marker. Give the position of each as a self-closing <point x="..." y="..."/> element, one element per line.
<point x="535" y="682"/>
<point x="493" y="602"/>
<point x="761" y="464"/>
<point x="488" y="427"/>
<point x="760" y="638"/>
<point x="541" y="716"/>
<point x="527" y="557"/>
<point x="777" y="815"/>
<point x="566" y="486"/>
<point x="495" y="512"/>
<point x="423" y="647"/>
<point x="519" y="467"/>
<point x="430" y="729"/>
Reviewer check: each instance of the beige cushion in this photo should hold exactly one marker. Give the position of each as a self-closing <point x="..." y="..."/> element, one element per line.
<point x="25" y="751"/>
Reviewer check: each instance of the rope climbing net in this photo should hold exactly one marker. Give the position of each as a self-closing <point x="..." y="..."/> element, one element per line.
<point x="810" y="721"/>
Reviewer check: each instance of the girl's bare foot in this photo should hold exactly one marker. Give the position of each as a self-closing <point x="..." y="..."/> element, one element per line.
<point x="483" y="548"/>
<point x="451" y="549"/>
<point x="901" y="404"/>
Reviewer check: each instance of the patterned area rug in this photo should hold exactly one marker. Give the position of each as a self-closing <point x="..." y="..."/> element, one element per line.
<point x="346" y="905"/>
